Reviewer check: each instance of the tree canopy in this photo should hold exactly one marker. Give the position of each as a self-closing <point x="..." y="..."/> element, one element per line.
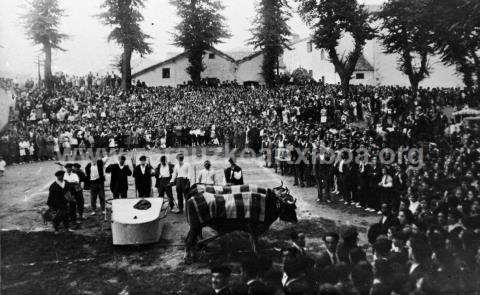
<point x="271" y="34"/>
<point x="41" y="22"/>
<point x="201" y="26"/>
<point x="330" y="20"/>
<point x="125" y="17"/>
<point x="405" y="30"/>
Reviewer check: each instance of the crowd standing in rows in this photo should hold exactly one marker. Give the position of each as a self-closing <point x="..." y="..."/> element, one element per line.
<point x="427" y="238"/>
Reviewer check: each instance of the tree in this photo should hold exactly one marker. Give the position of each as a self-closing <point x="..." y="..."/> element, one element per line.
<point x="124" y="16"/>
<point x="201" y="27"/>
<point x="457" y="36"/>
<point x="41" y="22"/>
<point x="301" y="76"/>
<point x="270" y="34"/>
<point x="405" y="29"/>
<point x="330" y="20"/>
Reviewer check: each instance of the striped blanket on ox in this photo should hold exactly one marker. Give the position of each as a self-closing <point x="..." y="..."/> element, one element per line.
<point x="230" y="202"/>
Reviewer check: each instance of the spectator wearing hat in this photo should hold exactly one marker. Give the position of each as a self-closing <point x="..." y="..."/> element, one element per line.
<point x="181" y="178"/>
<point x="119" y="177"/>
<point x="163" y="175"/>
<point x="57" y="201"/>
<point x="233" y="174"/>
<point x="143" y="178"/>
<point x="220" y="281"/>
<point x="207" y="175"/>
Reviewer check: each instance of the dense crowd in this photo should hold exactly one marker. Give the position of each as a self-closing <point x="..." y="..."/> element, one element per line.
<point x="427" y="239"/>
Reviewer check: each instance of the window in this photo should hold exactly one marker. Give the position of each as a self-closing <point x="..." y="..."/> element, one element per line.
<point x="359" y="76"/>
<point x="211" y="56"/>
<point x="309" y="46"/>
<point x="166" y="73"/>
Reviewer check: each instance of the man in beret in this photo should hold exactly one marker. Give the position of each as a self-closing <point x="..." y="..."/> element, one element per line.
<point x="143" y="178"/>
<point x="119" y="177"/>
<point x="57" y="201"/>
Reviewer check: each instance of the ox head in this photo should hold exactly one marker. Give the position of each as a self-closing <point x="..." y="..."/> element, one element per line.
<point x="286" y="204"/>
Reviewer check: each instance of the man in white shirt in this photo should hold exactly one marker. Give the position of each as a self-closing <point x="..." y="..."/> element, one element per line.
<point x="207" y="175"/>
<point x="163" y="175"/>
<point x="181" y="178"/>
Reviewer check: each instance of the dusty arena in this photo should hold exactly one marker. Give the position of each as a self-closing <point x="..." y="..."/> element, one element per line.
<point x="35" y="261"/>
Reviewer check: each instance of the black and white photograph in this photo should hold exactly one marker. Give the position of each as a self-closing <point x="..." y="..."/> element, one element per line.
<point x="240" y="147"/>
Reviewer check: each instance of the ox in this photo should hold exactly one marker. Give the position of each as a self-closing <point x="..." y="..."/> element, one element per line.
<point x="279" y="204"/>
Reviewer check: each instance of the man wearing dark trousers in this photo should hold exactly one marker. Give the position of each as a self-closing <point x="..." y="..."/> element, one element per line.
<point x="322" y="168"/>
<point x="163" y="175"/>
<point x="96" y="179"/>
<point x="119" y="178"/>
<point x="181" y="178"/>
<point x="79" y="195"/>
<point x="143" y="178"/>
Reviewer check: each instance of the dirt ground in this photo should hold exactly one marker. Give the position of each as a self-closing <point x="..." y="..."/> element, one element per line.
<point x="35" y="261"/>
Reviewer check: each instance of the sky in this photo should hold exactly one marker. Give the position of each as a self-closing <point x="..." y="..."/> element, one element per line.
<point x="87" y="48"/>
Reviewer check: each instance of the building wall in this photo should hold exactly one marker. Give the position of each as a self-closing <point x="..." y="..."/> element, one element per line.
<point x="315" y="61"/>
<point x="385" y="65"/>
<point x="219" y="67"/>
<point x="250" y="70"/>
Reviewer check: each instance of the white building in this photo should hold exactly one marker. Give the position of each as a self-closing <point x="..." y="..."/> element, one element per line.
<point x="303" y="54"/>
<point x="218" y="65"/>
<point x="173" y="71"/>
<point x="373" y="68"/>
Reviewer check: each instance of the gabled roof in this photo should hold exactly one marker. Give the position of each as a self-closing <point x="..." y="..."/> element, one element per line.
<point x="363" y="65"/>
<point x="177" y="57"/>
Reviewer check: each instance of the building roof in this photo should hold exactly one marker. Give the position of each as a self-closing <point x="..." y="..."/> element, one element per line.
<point x="177" y="57"/>
<point x="363" y="65"/>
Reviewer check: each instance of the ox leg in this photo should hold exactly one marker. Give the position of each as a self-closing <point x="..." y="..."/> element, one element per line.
<point x="253" y="242"/>
<point x="190" y="244"/>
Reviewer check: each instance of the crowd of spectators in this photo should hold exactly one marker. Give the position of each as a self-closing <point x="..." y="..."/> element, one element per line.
<point x="427" y="239"/>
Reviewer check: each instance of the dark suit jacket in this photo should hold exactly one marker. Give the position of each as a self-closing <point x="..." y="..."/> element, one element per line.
<point x="143" y="181"/>
<point x="255" y="287"/>
<point x="119" y="179"/>
<point x="210" y="291"/>
<point x="298" y="287"/>
<point x="157" y="173"/>
<point x="88" y="173"/>
<point x="229" y="179"/>
<point x="389" y="222"/>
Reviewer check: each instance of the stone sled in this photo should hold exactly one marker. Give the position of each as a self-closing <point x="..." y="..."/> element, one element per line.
<point x="137" y="227"/>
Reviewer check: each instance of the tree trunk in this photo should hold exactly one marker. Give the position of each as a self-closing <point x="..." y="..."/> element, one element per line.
<point x="345" y="80"/>
<point x="126" y="68"/>
<point x="414" y="84"/>
<point x="47" y="67"/>
<point x="196" y="66"/>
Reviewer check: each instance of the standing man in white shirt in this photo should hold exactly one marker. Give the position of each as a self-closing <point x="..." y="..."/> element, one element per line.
<point x="163" y="175"/>
<point x="96" y="181"/>
<point x="181" y="178"/>
<point x="207" y="175"/>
